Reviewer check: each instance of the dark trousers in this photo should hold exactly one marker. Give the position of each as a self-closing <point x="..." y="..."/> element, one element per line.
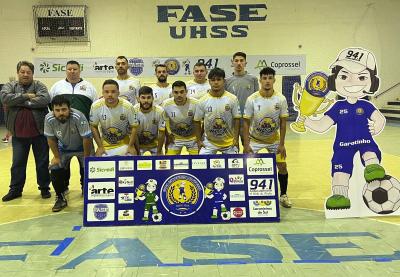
<point x="21" y="148"/>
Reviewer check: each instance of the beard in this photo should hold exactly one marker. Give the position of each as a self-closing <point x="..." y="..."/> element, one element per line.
<point x="162" y="79"/>
<point x="63" y="119"/>
<point x="147" y="105"/>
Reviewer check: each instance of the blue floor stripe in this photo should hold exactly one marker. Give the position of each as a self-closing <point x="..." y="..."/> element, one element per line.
<point x="316" y="261"/>
<point x="62" y="246"/>
<point x="77" y="228"/>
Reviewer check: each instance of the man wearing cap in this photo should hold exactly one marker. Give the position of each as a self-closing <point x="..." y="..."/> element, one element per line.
<point x="354" y="74"/>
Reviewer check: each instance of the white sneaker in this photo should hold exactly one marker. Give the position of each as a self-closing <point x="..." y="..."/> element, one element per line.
<point x="285" y="202"/>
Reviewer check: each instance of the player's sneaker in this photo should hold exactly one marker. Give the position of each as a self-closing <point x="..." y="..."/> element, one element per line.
<point x="60" y="204"/>
<point x="336" y="202"/>
<point x="285" y="202"/>
<point x="223" y="209"/>
<point x="145" y="218"/>
<point x="374" y="172"/>
<point x="214" y="217"/>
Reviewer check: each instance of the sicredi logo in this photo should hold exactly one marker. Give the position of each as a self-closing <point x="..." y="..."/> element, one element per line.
<point x="237" y="195"/>
<point x="217" y="163"/>
<point x="163" y="164"/>
<point x="260" y="166"/>
<point x="235" y="163"/>
<point x="144" y="165"/>
<point x="125" y="215"/>
<point x="125" y="198"/>
<point x="126" y="165"/>
<point x="238" y="212"/>
<point x="100" y="212"/>
<point x="181" y="164"/>
<point x="199" y="164"/>
<point x="236" y="179"/>
<point x="216" y="21"/>
<point x="101" y="190"/>
<point x="126" y="181"/>
<point x="101" y="169"/>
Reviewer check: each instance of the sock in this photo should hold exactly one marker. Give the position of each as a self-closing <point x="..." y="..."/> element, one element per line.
<point x="283" y="182"/>
<point x="341" y="190"/>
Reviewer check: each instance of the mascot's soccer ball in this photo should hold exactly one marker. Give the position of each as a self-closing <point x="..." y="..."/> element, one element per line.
<point x="382" y="196"/>
<point x="226" y="215"/>
<point x="157" y="217"/>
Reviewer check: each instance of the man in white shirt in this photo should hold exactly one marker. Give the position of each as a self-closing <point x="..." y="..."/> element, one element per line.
<point x="128" y="85"/>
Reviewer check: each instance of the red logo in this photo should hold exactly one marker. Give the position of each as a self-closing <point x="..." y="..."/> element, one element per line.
<point x="237" y="212"/>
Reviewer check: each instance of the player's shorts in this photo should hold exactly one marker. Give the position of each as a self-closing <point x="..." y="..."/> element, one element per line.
<point x="153" y="151"/>
<point x="175" y="148"/>
<point x="210" y="149"/>
<point x="271" y="148"/>
<point x="117" y="151"/>
<point x="342" y="160"/>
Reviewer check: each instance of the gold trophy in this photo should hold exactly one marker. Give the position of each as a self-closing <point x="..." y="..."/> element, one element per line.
<point x="312" y="96"/>
<point x="140" y="190"/>
<point x="209" y="188"/>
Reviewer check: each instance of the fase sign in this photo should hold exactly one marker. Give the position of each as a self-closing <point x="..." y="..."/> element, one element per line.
<point x="219" y="21"/>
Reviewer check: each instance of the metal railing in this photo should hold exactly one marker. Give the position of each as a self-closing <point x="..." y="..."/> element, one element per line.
<point x="386" y="90"/>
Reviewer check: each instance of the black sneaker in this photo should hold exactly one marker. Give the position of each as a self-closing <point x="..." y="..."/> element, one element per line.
<point x="45" y="194"/>
<point x="60" y="204"/>
<point x="11" y="195"/>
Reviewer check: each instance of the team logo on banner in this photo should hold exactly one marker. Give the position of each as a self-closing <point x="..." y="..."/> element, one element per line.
<point x="173" y="66"/>
<point x="136" y="66"/>
<point x="182" y="194"/>
<point x="100" y="212"/>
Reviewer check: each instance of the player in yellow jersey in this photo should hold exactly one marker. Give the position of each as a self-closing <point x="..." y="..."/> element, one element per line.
<point x="117" y="120"/>
<point x="264" y="126"/>
<point x="179" y="113"/>
<point x="220" y="112"/>
<point x="151" y="130"/>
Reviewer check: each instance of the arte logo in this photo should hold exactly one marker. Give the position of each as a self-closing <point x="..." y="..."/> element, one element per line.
<point x="217" y="21"/>
<point x="103" y="67"/>
<point x="101" y="190"/>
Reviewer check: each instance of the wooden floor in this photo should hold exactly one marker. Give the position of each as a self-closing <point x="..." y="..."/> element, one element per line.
<point x="309" y="184"/>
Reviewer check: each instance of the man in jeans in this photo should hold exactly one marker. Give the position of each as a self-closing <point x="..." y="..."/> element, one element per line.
<point x="27" y="102"/>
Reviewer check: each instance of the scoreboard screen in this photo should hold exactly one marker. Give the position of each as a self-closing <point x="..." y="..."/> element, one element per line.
<point x="61" y="27"/>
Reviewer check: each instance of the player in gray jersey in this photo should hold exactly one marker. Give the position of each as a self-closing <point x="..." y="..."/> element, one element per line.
<point x="68" y="135"/>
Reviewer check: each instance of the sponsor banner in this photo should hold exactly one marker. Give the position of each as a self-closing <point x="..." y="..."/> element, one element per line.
<point x="263" y="208"/>
<point x="261" y="187"/>
<point x="100" y="212"/>
<point x="99" y="170"/>
<point x="101" y="190"/>
<point x="104" y="67"/>
<point x="200" y="189"/>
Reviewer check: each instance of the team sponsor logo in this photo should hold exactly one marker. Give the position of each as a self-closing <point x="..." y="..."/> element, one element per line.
<point x="237" y="195"/>
<point x="125" y="215"/>
<point x="218" y="127"/>
<point x="182" y="128"/>
<point x="101" y="169"/>
<point x="125" y="165"/>
<point x="182" y="194"/>
<point x="261" y="187"/>
<point x="262" y="208"/>
<point x="236" y="179"/>
<point x="235" y="163"/>
<point x="163" y="164"/>
<point x="238" y="212"/>
<point x="199" y="164"/>
<point x="260" y="166"/>
<point x="113" y="134"/>
<point x="104" y="68"/>
<point x="144" y="165"/>
<point x="44" y="67"/>
<point x="101" y="190"/>
<point x="136" y="66"/>
<point x="100" y="212"/>
<point x="266" y="126"/>
<point x="125" y="198"/>
<point x="173" y="66"/>
<point x="126" y="182"/>
<point x="181" y="164"/>
<point x="217" y="163"/>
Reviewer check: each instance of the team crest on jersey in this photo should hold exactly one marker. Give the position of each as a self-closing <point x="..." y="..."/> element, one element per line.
<point x="190" y="113"/>
<point x="227" y="107"/>
<point x="146" y="137"/>
<point x="113" y="135"/>
<point x="277" y="107"/>
<point x="122" y="117"/>
<point x="83" y="88"/>
<point x="218" y="127"/>
<point x="182" y="194"/>
<point x="360" y="111"/>
<point x="266" y="126"/>
<point x="183" y="129"/>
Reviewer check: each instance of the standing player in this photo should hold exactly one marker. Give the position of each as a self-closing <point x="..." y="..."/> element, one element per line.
<point x="128" y="86"/>
<point x="151" y="129"/>
<point x="117" y="120"/>
<point x="221" y="115"/>
<point x="264" y="126"/>
<point x="68" y="135"/>
<point x="162" y="89"/>
<point x="179" y="114"/>
<point x="199" y="86"/>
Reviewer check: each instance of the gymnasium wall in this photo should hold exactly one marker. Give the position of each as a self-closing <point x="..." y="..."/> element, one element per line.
<point x="317" y="28"/>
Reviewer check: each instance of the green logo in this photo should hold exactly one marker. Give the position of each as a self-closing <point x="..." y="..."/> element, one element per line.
<point x="44" y="67"/>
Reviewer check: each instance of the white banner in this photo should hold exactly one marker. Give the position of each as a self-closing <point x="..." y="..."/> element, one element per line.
<point x="178" y="66"/>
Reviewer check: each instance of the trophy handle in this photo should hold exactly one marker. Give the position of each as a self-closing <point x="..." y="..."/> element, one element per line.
<point x="328" y="103"/>
<point x="295" y="95"/>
